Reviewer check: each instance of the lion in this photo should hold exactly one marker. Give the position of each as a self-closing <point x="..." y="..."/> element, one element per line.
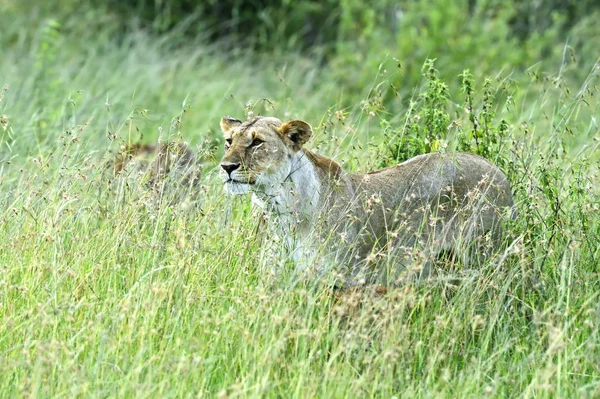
<point x="374" y="226"/>
<point x="171" y="163"/>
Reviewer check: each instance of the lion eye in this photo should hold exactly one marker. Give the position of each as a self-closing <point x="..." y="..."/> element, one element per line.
<point x="256" y="142"/>
<point x="228" y="143"/>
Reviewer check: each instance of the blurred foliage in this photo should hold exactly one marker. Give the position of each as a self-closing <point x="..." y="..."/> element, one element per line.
<point x="311" y="22"/>
<point x="358" y="38"/>
<point x="258" y="23"/>
<point x="478" y="36"/>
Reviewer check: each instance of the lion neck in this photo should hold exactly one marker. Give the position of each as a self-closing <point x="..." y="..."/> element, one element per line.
<point x="293" y="209"/>
<point x="298" y="197"/>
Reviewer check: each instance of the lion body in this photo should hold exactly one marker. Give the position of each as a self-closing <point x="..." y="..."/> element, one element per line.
<point x="404" y="215"/>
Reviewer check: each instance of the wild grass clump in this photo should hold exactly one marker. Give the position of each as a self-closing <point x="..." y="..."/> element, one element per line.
<point x="108" y="288"/>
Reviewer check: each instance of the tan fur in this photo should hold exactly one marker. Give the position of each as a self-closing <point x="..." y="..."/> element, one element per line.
<point x="327" y="166"/>
<point x="139" y="153"/>
<point x="175" y="158"/>
<point x="378" y="223"/>
<point x="159" y="162"/>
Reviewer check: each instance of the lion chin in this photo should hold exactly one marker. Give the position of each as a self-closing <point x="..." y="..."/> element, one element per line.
<point x="236" y="188"/>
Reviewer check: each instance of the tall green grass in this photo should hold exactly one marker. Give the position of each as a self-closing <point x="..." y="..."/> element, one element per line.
<point x="107" y="290"/>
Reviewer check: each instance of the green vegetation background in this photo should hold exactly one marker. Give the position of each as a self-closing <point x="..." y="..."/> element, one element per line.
<point x="108" y="290"/>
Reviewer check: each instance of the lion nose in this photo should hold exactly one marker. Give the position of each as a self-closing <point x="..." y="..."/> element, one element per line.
<point x="230" y="167"/>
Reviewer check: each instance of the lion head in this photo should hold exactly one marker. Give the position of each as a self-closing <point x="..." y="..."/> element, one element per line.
<point x="259" y="152"/>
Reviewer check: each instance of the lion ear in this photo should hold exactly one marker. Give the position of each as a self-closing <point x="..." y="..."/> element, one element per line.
<point x="298" y="132"/>
<point x="228" y="123"/>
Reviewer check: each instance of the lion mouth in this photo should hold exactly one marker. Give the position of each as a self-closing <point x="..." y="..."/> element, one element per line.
<point x="232" y="181"/>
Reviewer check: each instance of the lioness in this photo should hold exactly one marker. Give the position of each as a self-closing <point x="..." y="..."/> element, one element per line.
<point x="412" y="212"/>
<point x="173" y="161"/>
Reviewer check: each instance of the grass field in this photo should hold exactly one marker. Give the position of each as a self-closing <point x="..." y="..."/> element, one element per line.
<point x="107" y="290"/>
